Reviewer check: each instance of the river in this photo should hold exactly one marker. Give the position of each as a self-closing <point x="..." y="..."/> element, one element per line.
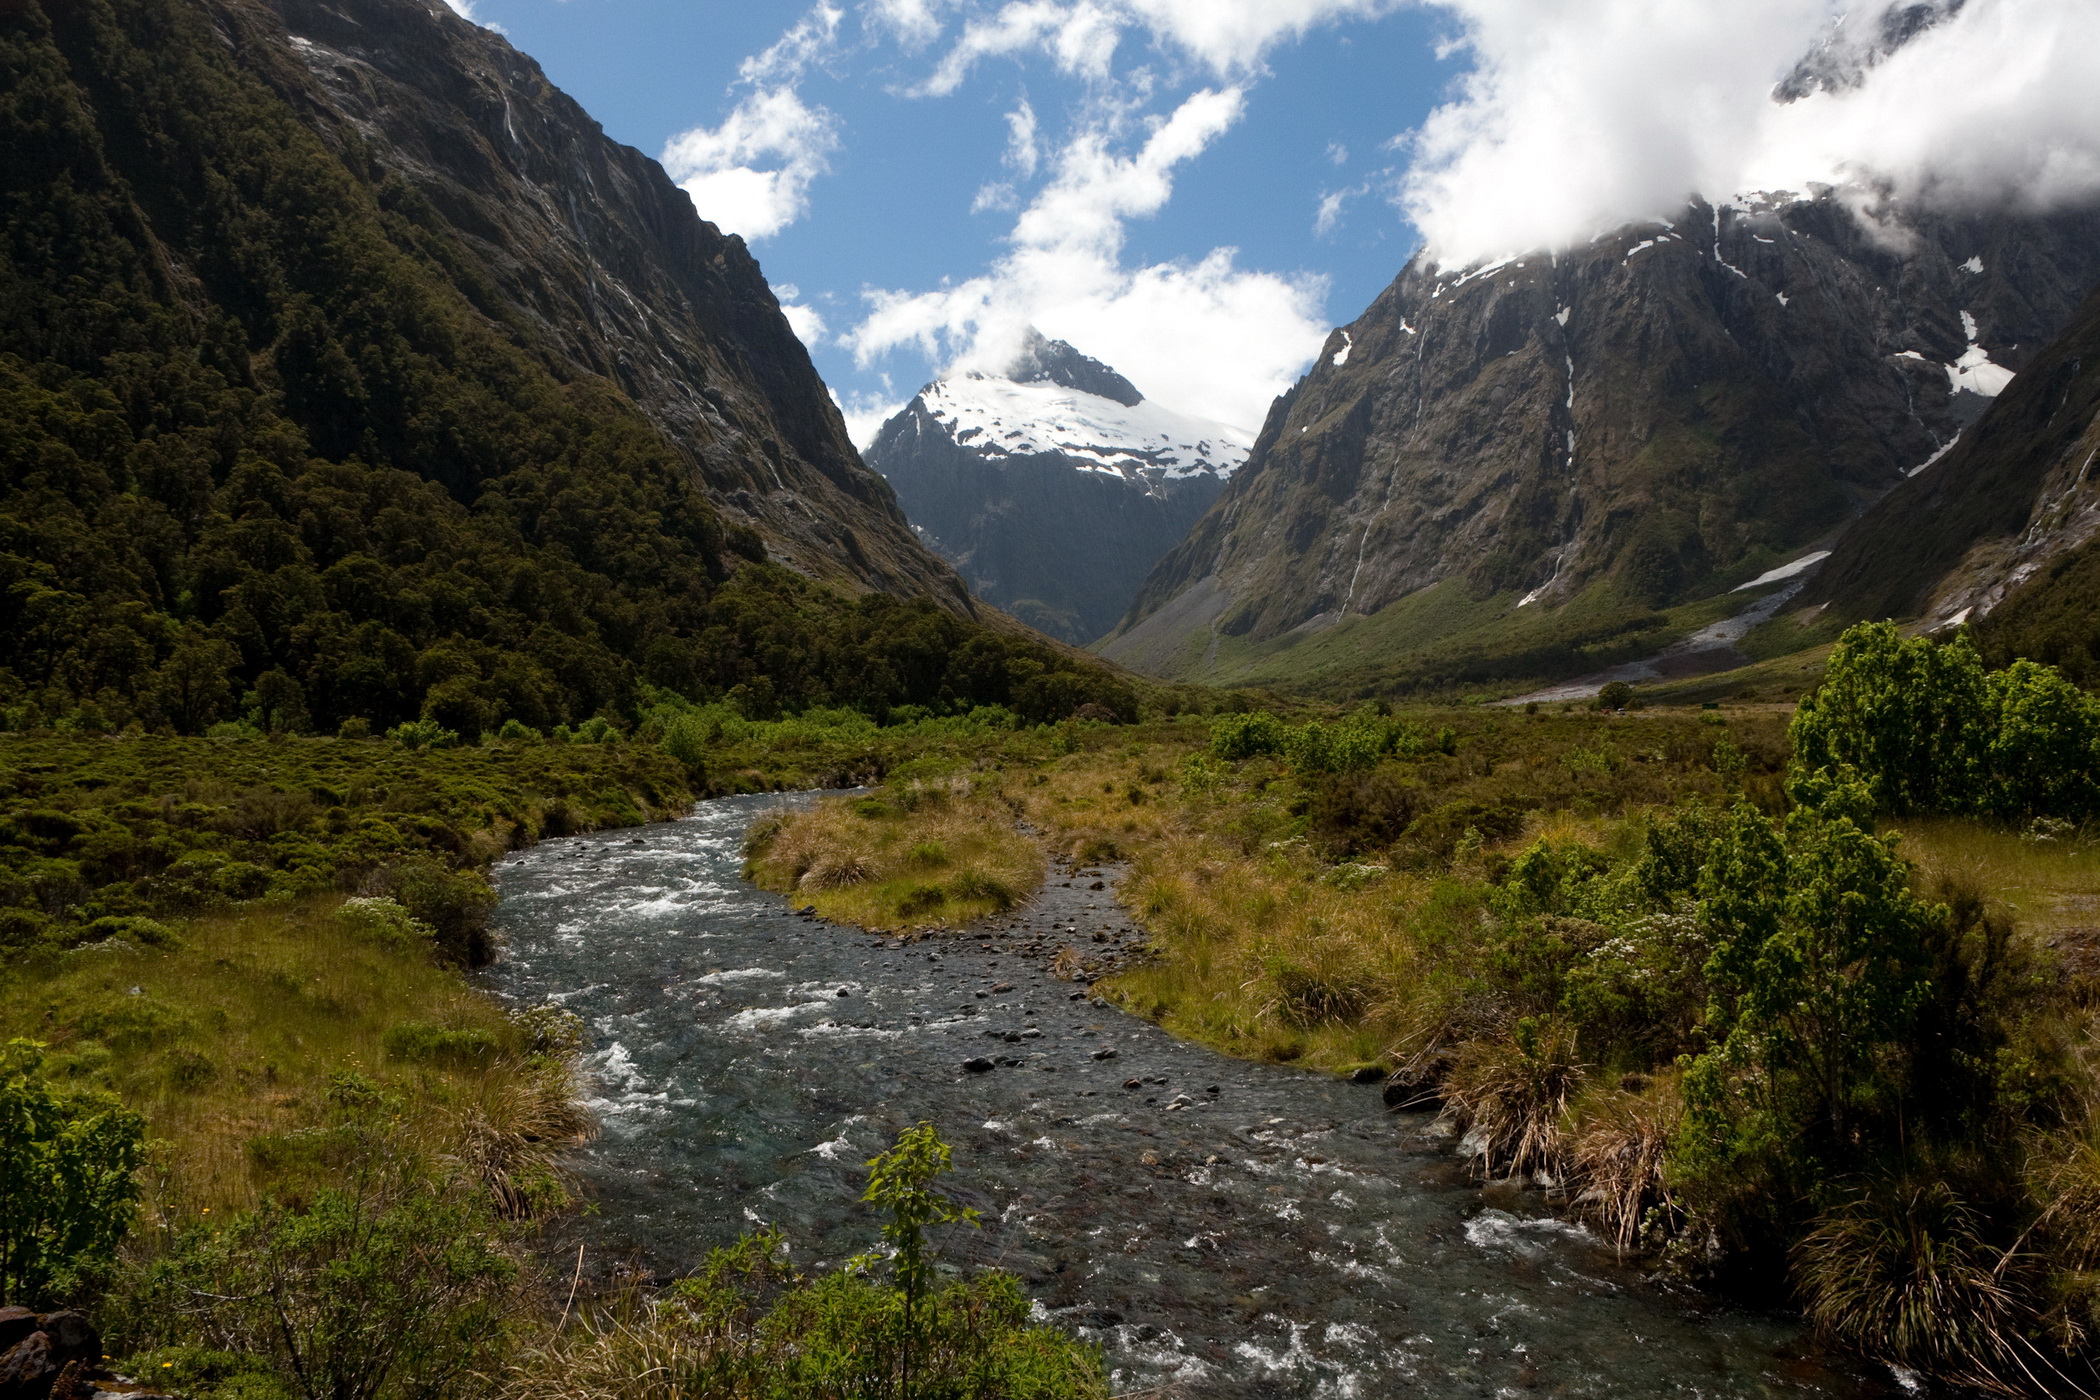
<point x="1241" y="1229"/>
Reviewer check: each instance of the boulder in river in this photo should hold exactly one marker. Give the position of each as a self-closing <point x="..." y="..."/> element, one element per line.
<point x="978" y="1064"/>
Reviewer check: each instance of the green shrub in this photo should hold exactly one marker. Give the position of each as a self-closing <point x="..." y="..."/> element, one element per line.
<point x="383" y="920"/>
<point x="139" y="932"/>
<point x="921" y="899"/>
<point x="743" y="1325"/>
<point x="550" y="1031"/>
<point x="972" y="885"/>
<point x="420" y="1042"/>
<point x="1909" y="716"/>
<point x="456" y="904"/>
<point x="2044" y="746"/>
<point x="423" y="734"/>
<point x="930" y="855"/>
<point x="1234" y="737"/>
<point x="1819" y="970"/>
<point x="19" y="928"/>
<point x="393" y="1292"/>
<point x="68" y="1183"/>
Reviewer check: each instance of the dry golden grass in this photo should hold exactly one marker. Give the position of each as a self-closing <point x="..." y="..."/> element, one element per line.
<point x="1617" y="1143"/>
<point x="228" y="1041"/>
<point x="2050" y="887"/>
<point x="1511" y="1093"/>
<point x="920" y="855"/>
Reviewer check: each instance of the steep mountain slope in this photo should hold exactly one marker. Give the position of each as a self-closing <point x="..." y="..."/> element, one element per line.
<point x="1557" y="446"/>
<point x="276" y="448"/>
<point x="1055" y="486"/>
<point x="590" y="244"/>
<point x="1998" y="531"/>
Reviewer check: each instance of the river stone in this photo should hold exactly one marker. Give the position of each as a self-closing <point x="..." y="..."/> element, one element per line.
<point x="73" y="1337"/>
<point x="27" y="1368"/>
<point x="978" y="1064"/>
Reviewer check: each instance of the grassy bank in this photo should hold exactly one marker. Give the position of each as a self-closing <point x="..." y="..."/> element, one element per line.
<point x="249" y="954"/>
<point x="176" y="930"/>
<point x="919" y="854"/>
<point x="1707" y="1002"/>
<point x="230" y="1036"/>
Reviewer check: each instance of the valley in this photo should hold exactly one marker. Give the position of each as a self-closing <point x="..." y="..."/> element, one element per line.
<point x="1540" y="839"/>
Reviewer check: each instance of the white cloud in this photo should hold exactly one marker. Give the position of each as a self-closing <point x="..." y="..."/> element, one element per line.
<point x="1329" y="216"/>
<point x="751" y="175"/>
<point x="1577" y="118"/>
<point x="1229" y="37"/>
<point x="865" y="413"/>
<point x="1079" y="37"/>
<point x="996" y="196"/>
<point x="1204" y="336"/>
<point x="465" y="10"/>
<point x="723" y="169"/>
<point x="1021" y="152"/>
<point x="807" y="41"/>
<point x="1232" y="36"/>
<point x="915" y="23"/>
<point x="806" y="321"/>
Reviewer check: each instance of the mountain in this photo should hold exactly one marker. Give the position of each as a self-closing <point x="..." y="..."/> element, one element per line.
<point x="1533" y="465"/>
<point x="1999" y="532"/>
<point x="1055" y="485"/>
<point x="590" y="244"/>
<point x="349" y="373"/>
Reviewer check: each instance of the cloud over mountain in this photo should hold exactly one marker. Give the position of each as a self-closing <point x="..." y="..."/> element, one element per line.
<point x="1576" y="118"/>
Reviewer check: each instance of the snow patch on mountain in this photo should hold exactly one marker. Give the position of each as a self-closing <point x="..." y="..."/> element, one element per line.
<point x="1974" y="370"/>
<point x="1000" y="418"/>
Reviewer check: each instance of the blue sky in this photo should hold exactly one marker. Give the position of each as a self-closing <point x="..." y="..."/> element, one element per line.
<point x="1196" y="191"/>
<point x="895" y="199"/>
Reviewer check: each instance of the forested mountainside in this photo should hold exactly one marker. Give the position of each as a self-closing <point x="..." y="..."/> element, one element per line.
<point x="302" y="417"/>
<point x="1996" y="533"/>
<point x="1053" y="486"/>
<point x="589" y="244"/>
<point x="1560" y="445"/>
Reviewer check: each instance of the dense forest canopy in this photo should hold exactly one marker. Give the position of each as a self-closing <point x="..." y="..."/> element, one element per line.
<point x="272" y="452"/>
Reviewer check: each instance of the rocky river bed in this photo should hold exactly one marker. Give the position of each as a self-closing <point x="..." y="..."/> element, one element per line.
<point x="1220" y="1228"/>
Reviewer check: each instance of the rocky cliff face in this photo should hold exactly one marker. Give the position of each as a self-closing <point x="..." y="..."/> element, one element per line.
<point x="1656" y="417"/>
<point x="2015" y="501"/>
<point x="1055" y="486"/>
<point x="589" y="245"/>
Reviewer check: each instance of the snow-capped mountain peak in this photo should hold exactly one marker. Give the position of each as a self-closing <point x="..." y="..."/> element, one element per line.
<point x="1053" y="400"/>
<point x="1000" y="418"/>
<point x="1053" y="484"/>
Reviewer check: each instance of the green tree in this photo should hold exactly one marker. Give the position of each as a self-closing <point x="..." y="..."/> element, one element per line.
<point x="68" y="1178"/>
<point x="378" y="1291"/>
<point x="901" y="1182"/>
<point x="2044" y="745"/>
<point x="192" y="686"/>
<point x="1821" y="964"/>
<point x="1911" y="717"/>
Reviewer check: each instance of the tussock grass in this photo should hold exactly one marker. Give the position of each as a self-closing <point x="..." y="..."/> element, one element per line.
<point x="1511" y="1093"/>
<point x="920" y="853"/>
<point x="228" y="1040"/>
<point x="1616" y="1158"/>
<point x="2047" y="881"/>
<point x="1906" y="1271"/>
